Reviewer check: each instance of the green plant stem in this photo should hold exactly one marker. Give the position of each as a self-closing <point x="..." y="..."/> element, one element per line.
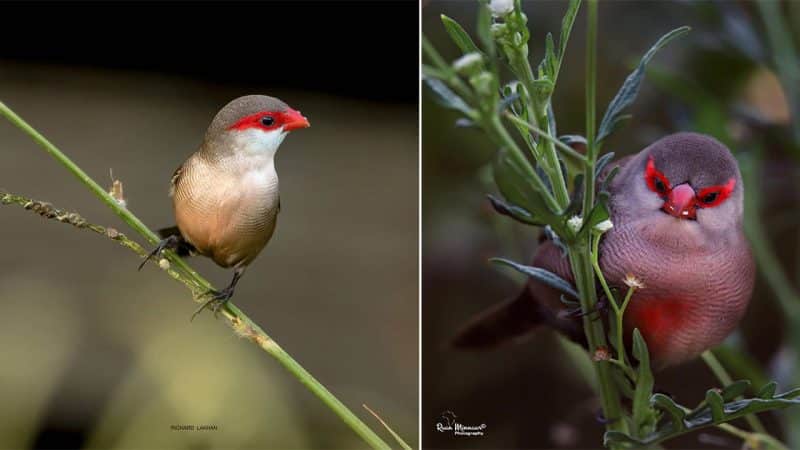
<point x="753" y="440"/>
<point x="237" y="320"/>
<point x="566" y="149"/>
<point x="596" y="337"/>
<point x="722" y="375"/>
<point x="580" y="253"/>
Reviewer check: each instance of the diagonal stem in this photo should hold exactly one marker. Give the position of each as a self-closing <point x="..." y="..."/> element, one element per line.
<point x="235" y="318"/>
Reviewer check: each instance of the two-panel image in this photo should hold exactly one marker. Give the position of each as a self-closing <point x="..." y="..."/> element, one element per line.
<point x="446" y="224"/>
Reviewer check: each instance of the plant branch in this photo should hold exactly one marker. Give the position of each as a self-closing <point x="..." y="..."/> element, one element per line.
<point x="566" y="149"/>
<point x="236" y="319"/>
<point x="722" y="375"/>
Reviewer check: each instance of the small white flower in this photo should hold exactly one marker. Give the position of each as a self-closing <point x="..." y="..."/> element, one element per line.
<point x="604" y="226"/>
<point x="468" y="63"/>
<point x="632" y="282"/>
<point x="501" y="8"/>
<point x="575" y="223"/>
<point x="163" y="263"/>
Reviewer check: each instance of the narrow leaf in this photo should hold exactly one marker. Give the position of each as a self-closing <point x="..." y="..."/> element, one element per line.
<point x="768" y="391"/>
<point x="566" y="27"/>
<point x="485" y="28"/>
<point x="735" y="389"/>
<point x="601" y="164"/>
<point x="459" y="36"/>
<point x="630" y="88"/>
<point x="608" y="178"/>
<point x="715" y="403"/>
<point x="643" y="412"/>
<point x="513" y="211"/>
<point x="539" y="274"/>
<point x="433" y="72"/>
<point x="676" y="413"/>
<point x="599" y="213"/>
<point x="515" y="185"/>
<point x="445" y="97"/>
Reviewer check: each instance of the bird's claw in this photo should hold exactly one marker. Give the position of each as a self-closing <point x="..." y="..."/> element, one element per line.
<point x="599" y="307"/>
<point x="168" y="242"/>
<point x="217" y="301"/>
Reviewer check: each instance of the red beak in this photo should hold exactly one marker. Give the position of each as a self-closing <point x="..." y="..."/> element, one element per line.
<point x="681" y="202"/>
<point x="294" y="120"/>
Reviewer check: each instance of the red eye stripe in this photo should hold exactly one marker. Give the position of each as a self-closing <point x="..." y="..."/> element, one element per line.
<point x="652" y="176"/>
<point x="254" y="121"/>
<point x="715" y="194"/>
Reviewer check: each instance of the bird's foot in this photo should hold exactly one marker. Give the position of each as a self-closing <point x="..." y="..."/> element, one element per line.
<point x="600" y="307"/>
<point x="217" y="301"/>
<point x="169" y="242"/>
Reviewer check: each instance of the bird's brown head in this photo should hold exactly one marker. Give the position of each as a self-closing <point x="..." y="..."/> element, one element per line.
<point x="689" y="178"/>
<point x="255" y="122"/>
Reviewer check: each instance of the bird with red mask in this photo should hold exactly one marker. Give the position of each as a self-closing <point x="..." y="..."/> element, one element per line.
<point x="225" y="195"/>
<point x="677" y="214"/>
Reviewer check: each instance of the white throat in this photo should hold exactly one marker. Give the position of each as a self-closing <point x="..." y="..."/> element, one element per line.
<point x="259" y="143"/>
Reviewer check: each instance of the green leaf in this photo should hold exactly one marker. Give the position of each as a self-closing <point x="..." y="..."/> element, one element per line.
<point x="623" y="383"/>
<point x="768" y="391"/>
<point x="676" y="413"/>
<point x="459" y="36"/>
<point x="549" y="65"/>
<point x="542" y="88"/>
<point x="599" y="213"/>
<point x="644" y="416"/>
<point x="712" y="411"/>
<point x="601" y="164"/>
<point x="608" y="178"/>
<point x="715" y="404"/>
<point x="566" y="27"/>
<point x="433" y="72"/>
<point x="447" y="98"/>
<point x="515" y="212"/>
<point x="630" y="88"/>
<point x="515" y="184"/>
<point x="485" y="28"/>
<point x="539" y="274"/>
<point x="735" y="389"/>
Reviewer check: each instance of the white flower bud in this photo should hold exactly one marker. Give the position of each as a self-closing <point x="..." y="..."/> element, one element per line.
<point x="575" y="223"/>
<point x="501" y="8"/>
<point x="163" y="263"/>
<point x="604" y="226"/>
<point x="469" y="63"/>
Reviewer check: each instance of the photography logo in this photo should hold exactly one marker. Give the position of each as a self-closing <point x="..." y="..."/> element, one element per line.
<point x="447" y="423"/>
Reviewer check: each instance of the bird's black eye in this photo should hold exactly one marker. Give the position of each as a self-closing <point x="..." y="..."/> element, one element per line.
<point x="267" y="121"/>
<point x="659" y="185"/>
<point x="709" y="198"/>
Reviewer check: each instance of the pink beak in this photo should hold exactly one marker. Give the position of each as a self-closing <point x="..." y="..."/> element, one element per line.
<point x="681" y="202"/>
<point x="294" y="120"/>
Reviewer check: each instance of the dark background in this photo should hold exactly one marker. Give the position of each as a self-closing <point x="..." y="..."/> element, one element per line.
<point x="358" y="49"/>
<point x="96" y="354"/>
<point x="530" y="395"/>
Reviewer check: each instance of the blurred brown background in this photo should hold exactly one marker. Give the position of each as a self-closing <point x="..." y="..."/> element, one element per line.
<point x="529" y="395"/>
<point x="94" y="354"/>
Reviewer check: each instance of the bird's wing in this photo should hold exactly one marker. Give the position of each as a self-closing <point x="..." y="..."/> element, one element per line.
<point x="175" y="179"/>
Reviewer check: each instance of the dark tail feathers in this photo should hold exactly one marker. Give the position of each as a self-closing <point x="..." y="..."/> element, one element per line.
<point x="500" y="324"/>
<point x="184" y="248"/>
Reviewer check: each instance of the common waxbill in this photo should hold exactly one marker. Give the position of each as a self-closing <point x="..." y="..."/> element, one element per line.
<point x="225" y="195"/>
<point x="676" y="209"/>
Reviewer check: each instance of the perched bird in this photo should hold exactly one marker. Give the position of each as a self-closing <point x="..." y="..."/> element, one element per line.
<point x="677" y="212"/>
<point x="225" y="195"/>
